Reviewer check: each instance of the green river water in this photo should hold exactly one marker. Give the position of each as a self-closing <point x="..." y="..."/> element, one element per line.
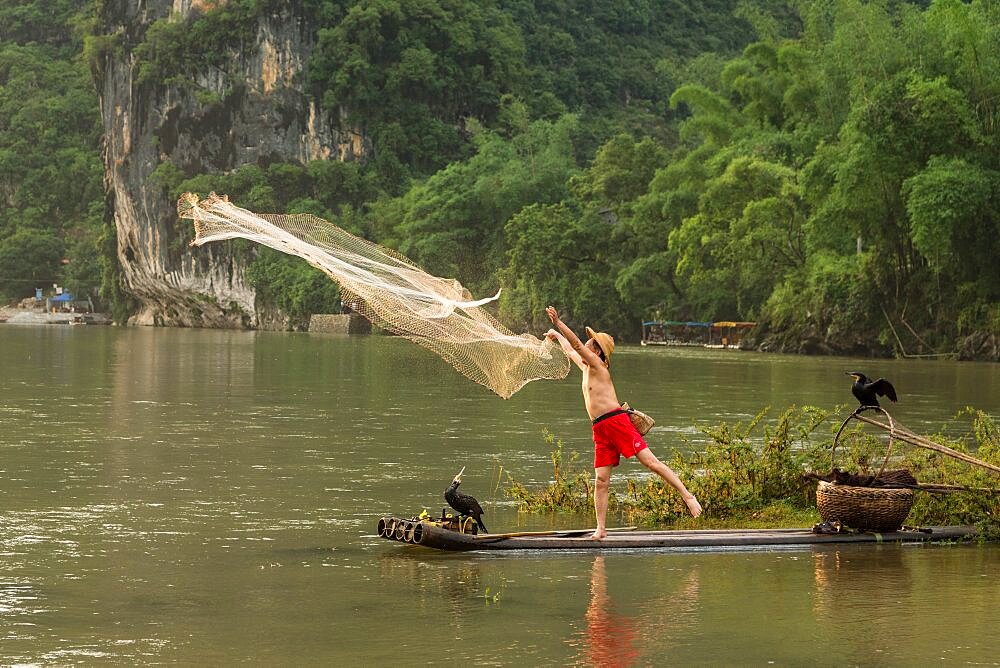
<point x="210" y="498"/>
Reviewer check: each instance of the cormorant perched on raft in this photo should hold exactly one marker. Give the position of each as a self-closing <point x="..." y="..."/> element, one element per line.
<point x="463" y="503"/>
<point x="865" y="390"/>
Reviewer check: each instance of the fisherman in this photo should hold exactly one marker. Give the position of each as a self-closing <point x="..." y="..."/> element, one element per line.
<point x="614" y="434"/>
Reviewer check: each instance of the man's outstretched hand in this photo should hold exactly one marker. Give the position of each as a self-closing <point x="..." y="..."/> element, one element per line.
<point x="553" y="316"/>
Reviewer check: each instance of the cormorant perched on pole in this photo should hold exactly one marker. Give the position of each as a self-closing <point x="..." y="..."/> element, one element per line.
<point x="463" y="503"/>
<point x="867" y="391"/>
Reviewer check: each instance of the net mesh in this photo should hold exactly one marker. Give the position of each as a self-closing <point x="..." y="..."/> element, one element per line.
<point x="392" y="292"/>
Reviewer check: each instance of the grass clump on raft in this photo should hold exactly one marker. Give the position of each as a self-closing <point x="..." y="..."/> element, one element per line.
<point x="981" y="506"/>
<point x="753" y="476"/>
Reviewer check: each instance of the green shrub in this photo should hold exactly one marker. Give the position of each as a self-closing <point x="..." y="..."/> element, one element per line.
<point x="567" y="491"/>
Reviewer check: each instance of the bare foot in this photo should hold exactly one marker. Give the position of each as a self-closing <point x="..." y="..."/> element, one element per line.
<point x="600" y="534"/>
<point x="693" y="506"/>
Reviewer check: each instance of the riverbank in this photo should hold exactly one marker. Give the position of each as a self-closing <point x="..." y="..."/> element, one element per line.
<point x="981" y="346"/>
<point x="21" y="316"/>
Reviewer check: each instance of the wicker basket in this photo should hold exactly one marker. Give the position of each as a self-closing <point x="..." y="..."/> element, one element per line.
<point x="642" y="422"/>
<point x="864" y="508"/>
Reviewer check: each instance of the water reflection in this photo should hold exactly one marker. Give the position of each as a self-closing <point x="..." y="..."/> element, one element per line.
<point x="850" y="583"/>
<point x="905" y="599"/>
<point x="623" y="627"/>
<point x="611" y="636"/>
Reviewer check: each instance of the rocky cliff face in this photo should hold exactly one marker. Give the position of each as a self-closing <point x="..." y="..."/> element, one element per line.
<point x="253" y="112"/>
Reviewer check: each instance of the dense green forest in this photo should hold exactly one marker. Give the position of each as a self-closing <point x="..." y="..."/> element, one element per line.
<point x="828" y="169"/>
<point x="51" y="193"/>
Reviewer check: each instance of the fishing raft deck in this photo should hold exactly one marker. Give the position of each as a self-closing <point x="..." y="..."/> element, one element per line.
<point x="429" y="535"/>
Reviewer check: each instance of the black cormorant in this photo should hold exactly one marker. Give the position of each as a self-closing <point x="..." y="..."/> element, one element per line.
<point x="463" y="503"/>
<point x="867" y="391"/>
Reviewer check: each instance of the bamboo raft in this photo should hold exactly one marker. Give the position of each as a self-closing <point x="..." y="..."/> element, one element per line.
<point x="430" y="534"/>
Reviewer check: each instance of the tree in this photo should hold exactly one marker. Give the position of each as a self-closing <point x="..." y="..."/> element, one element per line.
<point x="28" y="260"/>
<point x="453" y="223"/>
<point x="420" y="67"/>
<point x="953" y="209"/>
<point x="558" y="256"/>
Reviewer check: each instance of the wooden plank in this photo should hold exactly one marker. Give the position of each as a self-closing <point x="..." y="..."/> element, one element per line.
<point x="551" y="532"/>
<point x="443" y="539"/>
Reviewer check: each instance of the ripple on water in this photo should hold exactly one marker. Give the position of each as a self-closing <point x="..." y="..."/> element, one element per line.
<point x="17" y="597"/>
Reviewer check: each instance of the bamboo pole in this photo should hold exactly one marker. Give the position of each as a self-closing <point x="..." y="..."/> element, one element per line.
<point x="903" y="434"/>
<point x="554" y="532"/>
<point x="940" y="489"/>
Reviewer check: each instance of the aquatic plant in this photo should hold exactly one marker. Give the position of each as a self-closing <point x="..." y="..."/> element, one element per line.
<point x="980" y="505"/>
<point x="566" y="491"/>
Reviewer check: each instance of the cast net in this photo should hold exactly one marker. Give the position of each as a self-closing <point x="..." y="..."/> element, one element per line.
<point x="392" y="292"/>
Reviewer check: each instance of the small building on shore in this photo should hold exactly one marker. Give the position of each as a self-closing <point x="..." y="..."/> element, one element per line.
<point x="67" y="302"/>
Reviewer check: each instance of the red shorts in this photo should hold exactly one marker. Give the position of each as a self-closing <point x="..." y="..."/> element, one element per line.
<point x="615" y="437"/>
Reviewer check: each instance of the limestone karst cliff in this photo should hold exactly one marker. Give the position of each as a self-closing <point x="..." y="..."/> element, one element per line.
<point x="253" y="110"/>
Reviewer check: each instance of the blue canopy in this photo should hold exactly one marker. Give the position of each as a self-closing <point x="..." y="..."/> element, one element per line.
<point x="64" y="297"/>
<point x="676" y="323"/>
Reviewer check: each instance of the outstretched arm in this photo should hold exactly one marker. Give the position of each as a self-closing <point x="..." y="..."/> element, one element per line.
<point x="553" y="335"/>
<point x="587" y="356"/>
